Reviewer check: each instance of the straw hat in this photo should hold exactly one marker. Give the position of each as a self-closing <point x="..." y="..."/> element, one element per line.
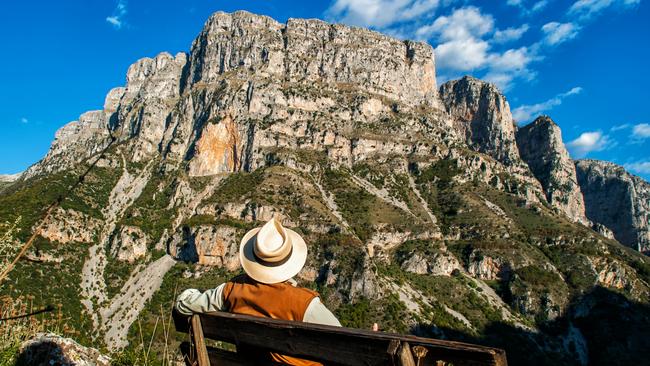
<point x="272" y="253"/>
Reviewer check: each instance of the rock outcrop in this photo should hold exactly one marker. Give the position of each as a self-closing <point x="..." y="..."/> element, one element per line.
<point x="74" y="142"/>
<point x="153" y="87"/>
<point x="541" y="147"/>
<point x="439" y="264"/>
<point x="618" y="200"/>
<point x="10" y="177"/>
<point x="217" y="150"/>
<point x="67" y="226"/>
<point x="130" y="244"/>
<point x="211" y="245"/>
<point x="46" y="349"/>
<point x="487" y="268"/>
<point x="482" y="116"/>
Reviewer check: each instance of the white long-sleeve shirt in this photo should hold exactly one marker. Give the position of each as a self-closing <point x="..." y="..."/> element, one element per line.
<point x="194" y="301"/>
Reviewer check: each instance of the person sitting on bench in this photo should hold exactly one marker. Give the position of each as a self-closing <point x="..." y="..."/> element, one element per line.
<point x="270" y="256"/>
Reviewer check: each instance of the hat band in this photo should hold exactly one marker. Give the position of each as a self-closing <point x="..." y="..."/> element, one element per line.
<point x="273" y="264"/>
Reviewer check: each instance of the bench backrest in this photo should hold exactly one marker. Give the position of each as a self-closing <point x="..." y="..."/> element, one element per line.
<point x="326" y="344"/>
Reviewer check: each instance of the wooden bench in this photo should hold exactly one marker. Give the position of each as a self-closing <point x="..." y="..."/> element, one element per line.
<point x="326" y="344"/>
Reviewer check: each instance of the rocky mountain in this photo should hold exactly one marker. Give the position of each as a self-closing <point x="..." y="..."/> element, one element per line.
<point x="541" y="147"/>
<point x="425" y="209"/>
<point x="618" y="200"/>
<point x="8" y="178"/>
<point x="482" y="116"/>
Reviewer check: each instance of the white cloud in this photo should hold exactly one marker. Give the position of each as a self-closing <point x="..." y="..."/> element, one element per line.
<point x="586" y="9"/>
<point x="641" y="131"/>
<point x="117" y="23"/>
<point x="462" y="24"/>
<point x="503" y="80"/>
<point x="460" y="47"/>
<point x="588" y="142"/>
<point x="526" y="113"/>
<point x="462" y="55"/>
<point x="539" y="6"/>
<point x="509" y="34"/>
<point x="640" y="167"/>
<point x="528" y="10"/>
<point x="117" y="18"/>
<point x="556" y="33"/>
<point x="464" y="40"/>
<point x="24" y="120"/>
<point x="573" y="91"/>
<point x="512" y="59"/>
<point x="505" y="67"/>
<point x="620" y="127"/>
<point x="379" y="13"/>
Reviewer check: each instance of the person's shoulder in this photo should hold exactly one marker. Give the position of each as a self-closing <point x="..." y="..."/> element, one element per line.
<point x="242" y="278"/>
<point x="307" y="291"/>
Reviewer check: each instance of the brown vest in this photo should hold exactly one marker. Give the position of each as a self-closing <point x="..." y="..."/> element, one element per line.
<point x="243" y="295"/>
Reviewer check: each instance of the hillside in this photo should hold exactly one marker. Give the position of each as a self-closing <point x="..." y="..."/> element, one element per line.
<point x="425" y="208"/>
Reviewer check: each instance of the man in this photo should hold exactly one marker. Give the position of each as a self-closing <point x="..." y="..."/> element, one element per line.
<point x="270" y="256"/>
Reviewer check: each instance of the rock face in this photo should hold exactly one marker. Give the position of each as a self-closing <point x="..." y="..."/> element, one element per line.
<point x="130" y="244"/>
<point x="440" y="264"/>
<point x="10" y="177"/>
<point x="618" y="200"/>
<point x="50" y="349"/>
<point x="74" y="142"/>
<point x="66" y="226"/>
<point x="487" y="268"/>
<point x="311" y="50"/>
<point x="153" y="87"/>
<point x="482" y="115"/>
<point x="212" y="246"/>
<point x="217" y="150"/>
<point x="541" y="147"/>
<point x="196" y="108"/>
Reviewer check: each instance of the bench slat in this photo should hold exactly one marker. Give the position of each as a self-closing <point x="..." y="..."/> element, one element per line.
<point x="199" y="341"/>
<point x="337" y="345"/>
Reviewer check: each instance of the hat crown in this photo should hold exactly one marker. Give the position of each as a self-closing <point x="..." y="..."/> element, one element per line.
<point x="272" y="243"/>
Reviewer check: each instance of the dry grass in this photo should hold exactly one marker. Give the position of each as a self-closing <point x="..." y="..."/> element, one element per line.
<point x="143" y="352"/>
<point x="9" y="246"/>
<point x="20" y="321"/>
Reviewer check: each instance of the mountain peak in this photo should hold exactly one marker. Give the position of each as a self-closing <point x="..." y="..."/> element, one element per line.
<point x="543" y="120"/>
<point x="541" y="147"/>
<point x="482" y="116"/>
<point x="616" y="199"/>
<point x="312" y="50"/>
<point x="10" y="177"/>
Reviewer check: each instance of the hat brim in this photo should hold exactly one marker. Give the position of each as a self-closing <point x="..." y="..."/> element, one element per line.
<point x="272" y="274"/>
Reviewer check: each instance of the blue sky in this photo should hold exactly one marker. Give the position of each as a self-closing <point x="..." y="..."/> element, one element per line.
<point x="583" y="62"/>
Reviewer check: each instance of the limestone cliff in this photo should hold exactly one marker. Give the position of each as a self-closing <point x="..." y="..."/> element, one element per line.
<point x="74" y="142"/>
<point x="482" y="116"/>
<point x="541" y="147"/>
<point x="618" y="200"/>
<point x="8" y="178"/>
<point x="310" y="50"/>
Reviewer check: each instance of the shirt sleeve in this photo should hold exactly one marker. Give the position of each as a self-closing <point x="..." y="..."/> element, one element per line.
<point x="194" y="301"/>
<point x="317" y="313"/>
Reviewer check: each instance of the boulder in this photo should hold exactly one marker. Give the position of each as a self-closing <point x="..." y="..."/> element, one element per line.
<point x="47" y="349"/>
